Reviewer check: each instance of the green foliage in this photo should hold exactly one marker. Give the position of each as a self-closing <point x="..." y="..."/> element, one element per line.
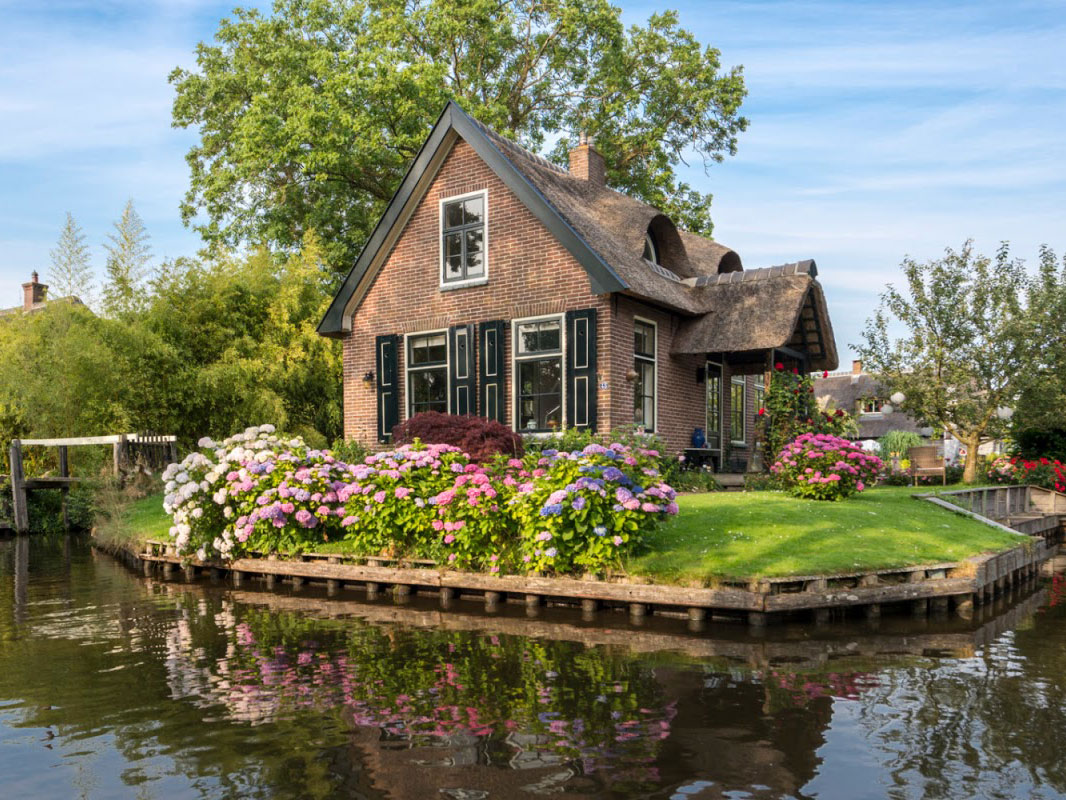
<point x="309" y="116"/>
<point x="215" y="346"/>
<point x="71" y="274"/>
<point x="127" y="264"/>
<point x="970" y="341"/>
<point x="896" y="444"/>
<point x="789" y="410"/>
<point x="1034" y="443"/>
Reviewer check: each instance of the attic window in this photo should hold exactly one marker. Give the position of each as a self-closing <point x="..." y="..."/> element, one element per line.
<point x="463" y="240"/>
<point x="651" y="252"/>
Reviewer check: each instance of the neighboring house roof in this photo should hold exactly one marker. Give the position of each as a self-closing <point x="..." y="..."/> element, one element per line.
<point x="604" y="230"/>
<point x="845" y="390"/>
<point x="41" y="306"/>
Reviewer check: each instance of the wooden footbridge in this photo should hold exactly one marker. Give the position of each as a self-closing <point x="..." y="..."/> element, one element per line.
<point x="127" y="449"/>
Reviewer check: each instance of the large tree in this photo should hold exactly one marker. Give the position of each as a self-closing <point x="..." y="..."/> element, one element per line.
<point x="967" y="342"/>
<point x="71" y="274"/>
<point x="308" y="116"/>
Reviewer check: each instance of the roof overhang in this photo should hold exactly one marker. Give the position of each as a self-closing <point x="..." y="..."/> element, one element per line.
<point x="748" y="320"/>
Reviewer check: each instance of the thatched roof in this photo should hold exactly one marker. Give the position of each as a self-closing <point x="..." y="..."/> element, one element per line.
<point x="846" y="390"/>
<point x="604" y="230"/>
<point x="760" y="310"/>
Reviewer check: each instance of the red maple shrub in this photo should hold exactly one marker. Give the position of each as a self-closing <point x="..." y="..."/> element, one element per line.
<point x="479" y="437"/>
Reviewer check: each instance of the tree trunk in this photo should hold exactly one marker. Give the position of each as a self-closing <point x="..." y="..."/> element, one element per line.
<point x="973" y="444"/>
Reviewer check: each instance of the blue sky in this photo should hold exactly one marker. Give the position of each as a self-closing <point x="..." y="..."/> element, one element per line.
<point x="878" y="130"/>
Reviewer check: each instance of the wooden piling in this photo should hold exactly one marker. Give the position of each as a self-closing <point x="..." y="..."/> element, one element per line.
<point x="64" y="472"/>
<point x="18" y="489"/>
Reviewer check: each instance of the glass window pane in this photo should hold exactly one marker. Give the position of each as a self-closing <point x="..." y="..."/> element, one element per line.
<point x="644" y="339"/>
<point x="455" y="267"/>
<point x="550" y="339"/>
<point x="453" y="215"/>
<point x="429" y="391"/>
<point x="453" y="244"/>
<point x="428" y="349"/>
<point x="549" y="378"/>
<point x="475" y="210"/>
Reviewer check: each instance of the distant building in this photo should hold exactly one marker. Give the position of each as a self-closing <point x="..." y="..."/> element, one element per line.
<point x="859" y="393"/>
<point x="35" y="297"/>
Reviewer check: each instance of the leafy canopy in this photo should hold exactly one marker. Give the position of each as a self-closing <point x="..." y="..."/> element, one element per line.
<point x="309" y="116"/>
<point x="967" y="341"/>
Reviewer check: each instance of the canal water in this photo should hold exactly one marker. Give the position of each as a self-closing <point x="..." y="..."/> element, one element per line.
<point x="116" y="685"/>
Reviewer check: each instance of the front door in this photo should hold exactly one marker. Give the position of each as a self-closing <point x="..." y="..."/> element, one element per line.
<point x="714" y="406"/>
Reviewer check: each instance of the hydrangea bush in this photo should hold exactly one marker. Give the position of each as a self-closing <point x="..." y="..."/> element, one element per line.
<point x="581" y="510"/>
<point x="825" y="467"/>
<point x="551" y="511"/>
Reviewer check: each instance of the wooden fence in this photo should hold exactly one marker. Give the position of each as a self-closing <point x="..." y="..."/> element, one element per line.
<point x="129" y="450"/>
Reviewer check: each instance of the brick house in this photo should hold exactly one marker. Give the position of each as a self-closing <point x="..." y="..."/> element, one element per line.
<point x="35" y="298"/>
<point x="490" y="263"/>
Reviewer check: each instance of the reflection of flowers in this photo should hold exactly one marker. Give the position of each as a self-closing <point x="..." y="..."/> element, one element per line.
<point x="554" y="699"/>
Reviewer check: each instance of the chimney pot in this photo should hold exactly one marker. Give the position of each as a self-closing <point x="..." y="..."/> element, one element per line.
<point x="856" y="367"/>
<point x="586" y="162"/>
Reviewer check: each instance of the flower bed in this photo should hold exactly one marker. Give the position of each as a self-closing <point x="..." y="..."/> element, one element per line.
<point x="1040" y="472"/>
<point x="551" y="511"/>
<point x="825" y="467"/>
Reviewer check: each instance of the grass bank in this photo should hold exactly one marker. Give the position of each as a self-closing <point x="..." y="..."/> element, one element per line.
<point x="132" y="522"/>
<point x="725" y="535"/>
<point x="770" y="534"/>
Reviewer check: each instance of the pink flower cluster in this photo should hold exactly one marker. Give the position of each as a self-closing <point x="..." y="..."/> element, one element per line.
<point x="825" y="467"/>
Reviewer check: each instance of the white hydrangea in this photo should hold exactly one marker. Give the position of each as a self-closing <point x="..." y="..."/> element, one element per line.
<point x="206" y="442"/>
<point x="182" y="477"/>
<point x="227" y="512"/>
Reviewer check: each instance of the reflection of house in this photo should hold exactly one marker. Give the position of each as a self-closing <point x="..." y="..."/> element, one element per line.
<point x="500" y="284"/>
<point x="35" y="297"/>
<point x="859" y="393"/>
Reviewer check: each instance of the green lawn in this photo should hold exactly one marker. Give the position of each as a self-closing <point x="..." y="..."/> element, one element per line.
<point x="746" y="535"/>
<point x="135" y="522"/>
<point x="770" y="534"/>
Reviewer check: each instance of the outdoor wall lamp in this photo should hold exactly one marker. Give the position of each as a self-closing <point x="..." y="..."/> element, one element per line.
<point x="369" y="377"/>
<point x="631" y="376"/>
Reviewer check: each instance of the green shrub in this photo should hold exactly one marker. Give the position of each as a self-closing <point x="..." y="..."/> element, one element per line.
<point x="896" y="444"/>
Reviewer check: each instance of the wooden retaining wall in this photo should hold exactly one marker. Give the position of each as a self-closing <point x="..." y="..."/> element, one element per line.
<point x="924" y="589"/>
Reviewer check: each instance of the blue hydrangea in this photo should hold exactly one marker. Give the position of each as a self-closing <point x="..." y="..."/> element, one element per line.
<point x="614" y="474"/>
<point x="551" y="510"/>
<point x="599" y="530"/>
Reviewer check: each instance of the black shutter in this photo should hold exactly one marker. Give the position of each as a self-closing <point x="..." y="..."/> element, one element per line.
<point x="463" y="379"/>
<point x="581" y="369"/>
<point x="388" y="387"/>
<point x="493" y="363"/>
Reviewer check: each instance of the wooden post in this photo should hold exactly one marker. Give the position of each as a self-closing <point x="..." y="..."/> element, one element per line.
<point x="64" y="472"/>
<point x="120" y="456"/>
<point x="18" y="489"/>
<point x="174" y="451"/>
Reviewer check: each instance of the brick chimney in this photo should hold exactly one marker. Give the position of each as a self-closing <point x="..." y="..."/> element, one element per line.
<point x="586" y="162"/>
<point x="33" y="293"/>
<point x="856" y="367"/>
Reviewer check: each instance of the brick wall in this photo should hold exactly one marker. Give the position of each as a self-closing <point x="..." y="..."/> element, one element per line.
<point x="529" y="274"/>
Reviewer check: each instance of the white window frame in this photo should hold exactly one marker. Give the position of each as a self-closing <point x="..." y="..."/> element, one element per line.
<point x="742" y="381"/>
<point x="483" y="279"/>
<point x="407" y="369"/>
<point x="655" y="369"/>
<point x="516" y="359"/>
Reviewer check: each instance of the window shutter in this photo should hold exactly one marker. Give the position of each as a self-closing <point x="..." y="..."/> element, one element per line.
<point x="493" y="363"/>
<point x="581" y="368"/>
<point x="388" y="387"/>
<point x="463" y="379"/>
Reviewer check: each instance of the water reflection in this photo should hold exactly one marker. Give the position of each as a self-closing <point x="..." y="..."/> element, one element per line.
<point x="116" y="685"/>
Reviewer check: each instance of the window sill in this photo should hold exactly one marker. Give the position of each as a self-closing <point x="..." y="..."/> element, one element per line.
<point x="447" y="287"/>
<point x="739" y="444"/>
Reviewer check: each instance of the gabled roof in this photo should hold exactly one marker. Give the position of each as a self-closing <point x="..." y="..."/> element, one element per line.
<point x="604" y="230"/>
